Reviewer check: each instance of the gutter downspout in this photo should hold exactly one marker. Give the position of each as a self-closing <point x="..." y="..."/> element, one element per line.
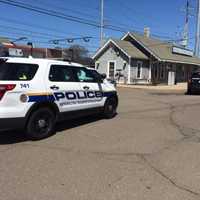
<point x="129" y="71"/>
<point x="150" y="70"/>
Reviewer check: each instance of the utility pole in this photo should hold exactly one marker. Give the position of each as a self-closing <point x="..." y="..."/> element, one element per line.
<point x="185" y="36"/>
<point x="102" y="23"/>
<point x="197" y="42"/>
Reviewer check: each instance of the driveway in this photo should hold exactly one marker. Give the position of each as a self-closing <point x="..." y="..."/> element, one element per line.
<point x="149" y="151"/>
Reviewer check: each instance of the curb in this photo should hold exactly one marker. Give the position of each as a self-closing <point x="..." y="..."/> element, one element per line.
<point x="179" y="87"/>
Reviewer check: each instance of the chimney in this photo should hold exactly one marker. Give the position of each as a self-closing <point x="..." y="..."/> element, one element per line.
<point x="147" y="32"/>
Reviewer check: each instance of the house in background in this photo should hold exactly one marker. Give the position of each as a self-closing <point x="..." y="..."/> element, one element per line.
<point x="141" y="59"/>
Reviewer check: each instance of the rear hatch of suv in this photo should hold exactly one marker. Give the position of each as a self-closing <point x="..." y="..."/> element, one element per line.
<point x="14" y="78"/>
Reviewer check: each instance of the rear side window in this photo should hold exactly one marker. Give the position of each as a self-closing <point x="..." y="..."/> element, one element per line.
<point x="17" y="71"/>
<point x="61" y="73"/>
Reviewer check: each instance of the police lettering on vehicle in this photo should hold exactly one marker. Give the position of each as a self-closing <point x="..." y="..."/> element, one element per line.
<point x="78" y="95"/>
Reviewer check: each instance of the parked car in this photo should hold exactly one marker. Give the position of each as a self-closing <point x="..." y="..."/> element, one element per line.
<point x="194" y="83"/>
<point x="36" y="93"/>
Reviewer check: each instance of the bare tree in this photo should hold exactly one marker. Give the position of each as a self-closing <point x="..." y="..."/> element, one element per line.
<point x="76" y="52"/>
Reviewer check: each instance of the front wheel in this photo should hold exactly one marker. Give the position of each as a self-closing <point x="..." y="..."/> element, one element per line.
<point x="110" y="108"/>
<point x="40" y="124"/>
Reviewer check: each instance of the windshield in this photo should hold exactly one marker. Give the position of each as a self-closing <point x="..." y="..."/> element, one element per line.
<point x="17" y="71"/>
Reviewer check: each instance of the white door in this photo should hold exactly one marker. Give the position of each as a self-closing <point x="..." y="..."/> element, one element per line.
<point x="171" y="78"/>
<point x="62" y="84"/>
<point x="90" y="87"/>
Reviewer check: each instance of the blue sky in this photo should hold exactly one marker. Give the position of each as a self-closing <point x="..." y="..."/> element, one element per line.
<point x="165" y="19"/>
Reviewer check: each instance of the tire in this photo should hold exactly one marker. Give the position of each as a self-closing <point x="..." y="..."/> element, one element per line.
<point x="110" y="108"/>
<point x="41" y="124"/>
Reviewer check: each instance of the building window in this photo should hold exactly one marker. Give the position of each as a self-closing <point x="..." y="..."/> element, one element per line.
<point x="111" y="70"/>
<point x="139" y="69"/>
<point x="97" y="64"/>
<point x="124" y="66"/>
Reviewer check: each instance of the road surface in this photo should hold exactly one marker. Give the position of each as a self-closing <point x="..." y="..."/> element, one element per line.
<point x="149" y="151"/>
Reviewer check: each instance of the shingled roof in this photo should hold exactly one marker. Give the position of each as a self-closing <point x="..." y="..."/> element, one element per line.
<point x="162" y="50"/>
<point x="131" y="50"/>
<point x="126" y="47"/>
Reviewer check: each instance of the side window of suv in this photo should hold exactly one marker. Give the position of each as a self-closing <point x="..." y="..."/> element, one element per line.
<point x="17" y="71"/>
<point x="84" y="75"/>
<point x="61" y="73"/>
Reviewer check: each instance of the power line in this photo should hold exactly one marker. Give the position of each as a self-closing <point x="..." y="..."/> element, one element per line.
<point x="48" y="12"/>
<point x="12" y="21"/>
<point x="64" y="8"/>
<point x="83" y="4"/>
<point x="43" y="42"/>
<point x="56" y="14"/>
<point x="81" y="13"/>
<point x="70" y="40"/>
<point x="36" y="26"/>
<point x="128" y="9"/>
<point x="26" y="34"/>
<point x="32" y="32"/>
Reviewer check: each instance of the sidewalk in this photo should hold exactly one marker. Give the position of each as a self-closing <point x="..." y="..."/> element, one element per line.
<point x="178" y="87"/>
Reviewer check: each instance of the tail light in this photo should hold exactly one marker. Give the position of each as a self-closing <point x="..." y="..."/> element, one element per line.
<point x="4" y="88"/>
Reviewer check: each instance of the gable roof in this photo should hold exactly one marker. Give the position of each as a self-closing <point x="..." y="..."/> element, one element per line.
<point x="162" y="50"/>
<point x="126" y="47"/>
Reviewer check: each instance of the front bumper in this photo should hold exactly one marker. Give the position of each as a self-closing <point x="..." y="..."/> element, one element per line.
<point x="12" y="123"/>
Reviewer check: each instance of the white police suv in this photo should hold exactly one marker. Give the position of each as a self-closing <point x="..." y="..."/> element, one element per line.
<point x="36" y="93"/>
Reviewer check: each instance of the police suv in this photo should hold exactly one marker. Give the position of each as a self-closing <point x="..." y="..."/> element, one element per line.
<point x="36" y="93"/>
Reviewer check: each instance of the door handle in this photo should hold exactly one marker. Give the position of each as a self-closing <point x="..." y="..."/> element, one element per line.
<point x="54" y="87"/>
<point x="86" y="87"/>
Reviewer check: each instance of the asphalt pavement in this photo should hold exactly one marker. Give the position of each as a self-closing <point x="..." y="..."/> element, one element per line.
<point x="149" y="151"/>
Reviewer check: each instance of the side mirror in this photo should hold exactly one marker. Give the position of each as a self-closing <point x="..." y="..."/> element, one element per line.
<point x="103" y="76"/>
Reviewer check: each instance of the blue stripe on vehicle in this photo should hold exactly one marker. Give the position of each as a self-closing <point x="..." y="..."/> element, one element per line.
<point x="108" y="94"/>
<point x="41" y="98"/>
<point x="51" y="98"/>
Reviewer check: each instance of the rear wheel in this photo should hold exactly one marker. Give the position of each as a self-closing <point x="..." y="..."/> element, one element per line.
<point x="40" y="124"/>
<point x="110" y="108"/>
